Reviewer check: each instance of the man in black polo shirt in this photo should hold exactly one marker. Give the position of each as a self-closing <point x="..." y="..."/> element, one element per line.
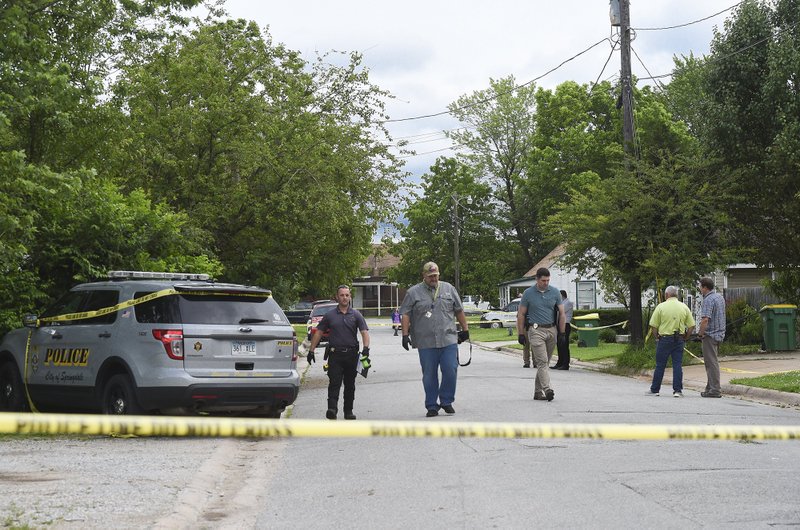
<point x="344" y="322"/>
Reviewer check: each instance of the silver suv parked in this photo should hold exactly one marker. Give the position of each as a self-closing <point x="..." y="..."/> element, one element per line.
<point x="147" y="342"/>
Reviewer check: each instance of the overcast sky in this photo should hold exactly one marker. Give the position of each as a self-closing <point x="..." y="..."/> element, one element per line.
<point x="429" y="53"/>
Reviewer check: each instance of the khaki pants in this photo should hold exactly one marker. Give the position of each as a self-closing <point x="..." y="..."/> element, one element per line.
<point x="542" y="343"/>
<point x="526" y="354"/>
<point x="710" y="353"/>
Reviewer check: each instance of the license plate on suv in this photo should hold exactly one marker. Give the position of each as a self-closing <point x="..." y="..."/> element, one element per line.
<point x="243" y="347"/>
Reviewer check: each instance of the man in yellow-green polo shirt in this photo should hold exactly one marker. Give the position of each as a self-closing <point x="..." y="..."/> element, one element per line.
<point x="672" y="324"/>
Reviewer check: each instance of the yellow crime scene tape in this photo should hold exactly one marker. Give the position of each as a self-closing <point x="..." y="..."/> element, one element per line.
<point x="168" y="426"/>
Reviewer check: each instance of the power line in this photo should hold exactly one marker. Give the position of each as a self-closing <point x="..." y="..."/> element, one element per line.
<point x="692" y="22"/>
<point x="722" y="58"/>
<point x="442" y="113"/>
<point x="659" y="83"/>
<point x="613" y="47"/>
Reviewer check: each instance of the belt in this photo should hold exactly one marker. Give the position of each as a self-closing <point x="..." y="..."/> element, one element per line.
<point x="345" y="349"/>
<point x="535" y="325"/>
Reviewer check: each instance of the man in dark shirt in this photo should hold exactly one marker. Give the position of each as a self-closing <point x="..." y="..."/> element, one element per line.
<point x="344" y="323"/>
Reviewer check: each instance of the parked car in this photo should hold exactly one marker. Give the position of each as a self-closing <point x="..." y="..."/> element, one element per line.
<point x="473" y="305"/>
<point x="147" y="342"/>
<point x="316" y="316"/>
<point x="299" y="313"/>
<point x="501" y="318"/>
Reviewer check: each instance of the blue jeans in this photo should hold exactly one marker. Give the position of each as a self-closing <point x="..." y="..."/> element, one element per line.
<point x="666" y="347"/>
<point x="432" y="360"/>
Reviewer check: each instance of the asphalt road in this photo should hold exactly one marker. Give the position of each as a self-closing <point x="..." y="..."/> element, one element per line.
<point x="396" y="482"/>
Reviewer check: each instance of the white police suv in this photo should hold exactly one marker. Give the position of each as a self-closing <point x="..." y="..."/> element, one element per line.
<point x="150" y="342"/>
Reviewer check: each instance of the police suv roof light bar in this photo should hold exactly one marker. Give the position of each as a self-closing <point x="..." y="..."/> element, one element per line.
<point x="146" y="275"/>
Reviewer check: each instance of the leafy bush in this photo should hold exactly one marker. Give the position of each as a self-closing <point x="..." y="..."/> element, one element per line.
<point x="743" y="323"/>
<point x="608" y="335"/>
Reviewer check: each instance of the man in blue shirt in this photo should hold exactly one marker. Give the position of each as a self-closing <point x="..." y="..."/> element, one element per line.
<point x="537" y="309"/>
<point x="344" y="323"/>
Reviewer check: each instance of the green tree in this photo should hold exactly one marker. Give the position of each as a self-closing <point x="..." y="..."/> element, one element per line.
<point x="277" y="158"/>
<point x="742" y="103"/>
<point x="430" y="233"/>
<point x="575" y="142"/>
<point x="649" y="224"/>
<point x="498" y="135"/>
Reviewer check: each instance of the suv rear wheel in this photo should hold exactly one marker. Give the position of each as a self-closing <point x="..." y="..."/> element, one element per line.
<point x="119" y="396"/>
<point x="12" y="393"/>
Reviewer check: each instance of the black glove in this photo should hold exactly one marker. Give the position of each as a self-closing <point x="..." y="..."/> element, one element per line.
<point x="310" y="357"/>
<point x="406" y="342"/>
<point x="521" y="339"/>
<point x="463" y="336"/>
<point x="365" y="351"/>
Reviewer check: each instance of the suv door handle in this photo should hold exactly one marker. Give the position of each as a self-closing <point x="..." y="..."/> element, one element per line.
<point x="104" y="335"/>
<point x="55" y="335"/>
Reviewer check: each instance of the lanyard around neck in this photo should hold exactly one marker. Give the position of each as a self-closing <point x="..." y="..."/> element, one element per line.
<point x="435" y="295"/>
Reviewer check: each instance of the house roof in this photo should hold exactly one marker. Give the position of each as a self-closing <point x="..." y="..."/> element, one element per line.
<point x="379" y="261"/>
<point x="547" y="261"/>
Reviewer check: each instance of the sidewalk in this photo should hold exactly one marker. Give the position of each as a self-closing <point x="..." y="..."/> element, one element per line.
<point x="694" y="375"/>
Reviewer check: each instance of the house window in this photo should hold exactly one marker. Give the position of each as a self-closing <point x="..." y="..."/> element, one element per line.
<point x="586" y="297"/>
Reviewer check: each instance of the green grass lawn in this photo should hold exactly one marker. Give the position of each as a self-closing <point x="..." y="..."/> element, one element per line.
<point x="785" y="382"/>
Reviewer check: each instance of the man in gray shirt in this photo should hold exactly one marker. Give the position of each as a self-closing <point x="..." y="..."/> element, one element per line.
<point x="428" y="315"/>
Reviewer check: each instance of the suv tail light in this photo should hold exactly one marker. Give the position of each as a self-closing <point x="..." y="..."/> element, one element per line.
<point x="294" y="346"/>
<point x="172" y="339"/>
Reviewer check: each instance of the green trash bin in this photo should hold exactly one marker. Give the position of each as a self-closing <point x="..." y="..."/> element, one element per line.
<point x="589" y="337"/>
<point x="779" y="327"/>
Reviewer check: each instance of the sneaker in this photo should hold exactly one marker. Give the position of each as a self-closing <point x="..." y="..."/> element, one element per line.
<point x="331" y="414"/>
<point x="526" y="365"/>
<point x="677" y="394"/>
<point x="448" y="409"/>
<point x="431" y="413"/>
<point x="710" y="394"/>
<point x="562" y="367"/>
<point x="549" y="394"/>
<point x="650" y="393"/>
<point x="349" y="415"/>
<point x="539" y="396"/>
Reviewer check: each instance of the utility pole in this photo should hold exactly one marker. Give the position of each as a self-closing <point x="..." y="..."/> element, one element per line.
<point x="625" y="75"/>
<point x="455" y="244"/>
<point x="635" y="285"/>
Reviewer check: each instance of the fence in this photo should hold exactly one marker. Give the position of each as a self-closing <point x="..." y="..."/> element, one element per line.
<point x="756" y="297"/>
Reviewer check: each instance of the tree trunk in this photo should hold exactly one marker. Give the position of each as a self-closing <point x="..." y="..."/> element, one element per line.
<point x="635" y="319"/>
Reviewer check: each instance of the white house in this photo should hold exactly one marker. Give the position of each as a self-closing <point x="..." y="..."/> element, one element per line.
<point x="584" y="291"/>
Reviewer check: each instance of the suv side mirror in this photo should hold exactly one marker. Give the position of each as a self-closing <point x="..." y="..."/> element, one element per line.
<point x="30" y="320"/>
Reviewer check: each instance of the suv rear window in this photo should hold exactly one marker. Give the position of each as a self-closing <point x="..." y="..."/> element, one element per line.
<point x="209" y="309"/>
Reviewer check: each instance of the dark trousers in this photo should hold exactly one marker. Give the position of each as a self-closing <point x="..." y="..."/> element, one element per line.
<point x="342" y="367"/>
<point x="563" y="348"/>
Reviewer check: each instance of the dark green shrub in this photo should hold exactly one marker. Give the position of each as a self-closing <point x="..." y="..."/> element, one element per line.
<point x="608" y="335"/>
<point x="743" y="323"/>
